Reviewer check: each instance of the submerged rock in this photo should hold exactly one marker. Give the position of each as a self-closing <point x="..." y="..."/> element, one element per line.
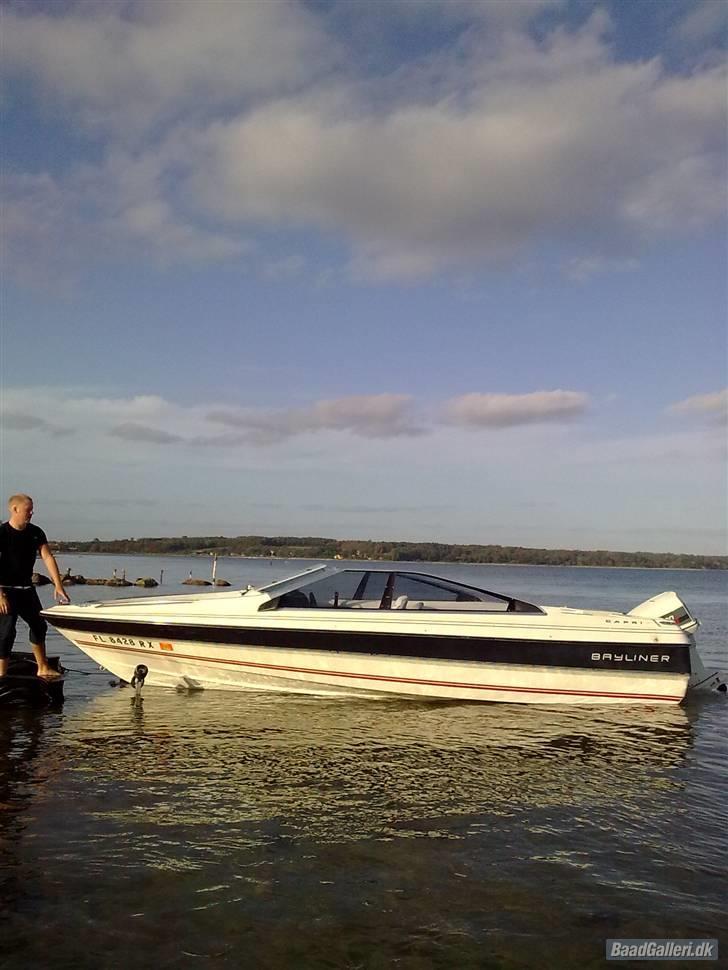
<point x="40" y="580"/>
<point x="69" y="580"/>
<point x="196" y="582"/>
<point x="221" y="582"/>
<point x="146" y="582"/>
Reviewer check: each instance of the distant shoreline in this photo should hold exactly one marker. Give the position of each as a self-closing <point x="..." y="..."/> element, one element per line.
<point x="440" y="562"/>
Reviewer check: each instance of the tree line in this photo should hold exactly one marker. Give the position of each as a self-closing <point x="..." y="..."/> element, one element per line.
<point x="316" y="547"/>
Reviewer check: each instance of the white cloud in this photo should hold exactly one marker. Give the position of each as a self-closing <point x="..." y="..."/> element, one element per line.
<point x="128" y="65"/>
<point x="328" y="469"/>
<point x="369" y="416"/>
<point x="712" y="406"/>
<point x="672" y="451"/>
<point x="706" y="21"/>
<point x="131" y="431"/>
<point x="285" y="268"/>
<point x="470" y="154"/>
<point x="23" y="422"/>
<point x="539" y="141"/>
<point x="583" y="268"/>
<point x="15" y="421"/>
<point x="100" y="410"/>
<point x="53" y="226"/>
<point x="475" y="411"/>
<point x="154" y="222"/>
<point x="80" y="410"/>
<point x="41" y="235"/>
<point x="153" y="420"/>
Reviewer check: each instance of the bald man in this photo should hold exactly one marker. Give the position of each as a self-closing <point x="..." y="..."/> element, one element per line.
<point x="20" y="543"/>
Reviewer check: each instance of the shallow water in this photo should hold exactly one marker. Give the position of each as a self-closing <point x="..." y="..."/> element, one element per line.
<point x="261" y="830"/>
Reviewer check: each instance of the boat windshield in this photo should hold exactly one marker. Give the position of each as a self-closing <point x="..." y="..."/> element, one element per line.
<point x="383" y="589"/>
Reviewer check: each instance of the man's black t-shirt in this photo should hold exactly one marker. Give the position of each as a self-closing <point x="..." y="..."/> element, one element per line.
<point x="18" y="549"/>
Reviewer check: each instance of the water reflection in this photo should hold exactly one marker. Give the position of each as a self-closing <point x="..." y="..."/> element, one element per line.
<point x="21" y="776"/>
<point x="235" y="768"/>
<point x="200" y="825"/>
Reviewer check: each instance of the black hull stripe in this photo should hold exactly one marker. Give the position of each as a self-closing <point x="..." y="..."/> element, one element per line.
<point x="530" y="653"/>
<point x="390" y="680"/>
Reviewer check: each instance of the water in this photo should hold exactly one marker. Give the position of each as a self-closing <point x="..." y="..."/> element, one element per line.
<point x="214" y="830"/>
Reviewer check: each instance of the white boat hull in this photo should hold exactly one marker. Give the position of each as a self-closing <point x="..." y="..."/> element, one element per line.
<point x="198" y="665"/>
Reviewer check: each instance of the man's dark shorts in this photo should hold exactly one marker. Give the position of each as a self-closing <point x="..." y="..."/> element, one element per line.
<point x="23" y="603"/>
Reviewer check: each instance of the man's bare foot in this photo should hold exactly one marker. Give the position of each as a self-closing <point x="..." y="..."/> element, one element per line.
<point x="49" y="674"/>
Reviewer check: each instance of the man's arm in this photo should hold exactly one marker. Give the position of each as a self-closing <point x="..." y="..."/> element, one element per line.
<point x="52" y="567"/>
<point x="4" y="605"/>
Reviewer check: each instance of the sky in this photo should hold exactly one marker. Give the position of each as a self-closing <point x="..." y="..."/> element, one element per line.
<point x="445" y="270"/>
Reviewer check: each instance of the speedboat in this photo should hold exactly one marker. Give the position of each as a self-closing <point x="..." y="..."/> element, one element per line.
<point x="383" y="632"/>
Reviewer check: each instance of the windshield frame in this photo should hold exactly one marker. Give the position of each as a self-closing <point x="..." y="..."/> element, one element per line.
<point x="275" y="591"/>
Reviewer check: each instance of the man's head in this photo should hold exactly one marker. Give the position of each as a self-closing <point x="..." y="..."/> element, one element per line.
<point x="20" y="508"/>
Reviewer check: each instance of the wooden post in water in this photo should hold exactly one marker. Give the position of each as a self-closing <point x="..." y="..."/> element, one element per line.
<point x="214" y="568"/>
<point x="161" y="576"/>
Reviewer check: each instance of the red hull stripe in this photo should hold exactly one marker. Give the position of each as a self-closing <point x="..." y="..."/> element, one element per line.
<point x="380" y="677"/>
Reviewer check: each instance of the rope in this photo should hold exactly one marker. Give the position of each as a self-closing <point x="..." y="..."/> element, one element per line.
<point x="88" y="673"/>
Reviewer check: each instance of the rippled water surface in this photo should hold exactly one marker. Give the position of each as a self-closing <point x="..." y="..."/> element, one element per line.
<point x="259" y="830"/>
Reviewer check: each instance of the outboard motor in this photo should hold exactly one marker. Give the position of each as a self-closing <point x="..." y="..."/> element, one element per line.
<point x="667" y="606"/>
<point x="670" y="608"/>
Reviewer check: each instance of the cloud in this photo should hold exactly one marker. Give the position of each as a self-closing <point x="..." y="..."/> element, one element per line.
<point x="151" y="419"/>
<point x="154" y="222"/>
<point x="139" y="406"/>
<point x="476" y="411"/>
<point x="54" y="226"/>
<point x="683" y="449"/>
<point x="373" y="416"/>
<point x="14" y="421"/>
<point x="583" y="268"/>
<point x="141" y="432"/>
<point x="221" y="122"/>
<point x="130" y="65"/>
<point x="285" y="268"/>
<point x="43" y="239"/>
<point x="92" y="414"/>
<point x="23" y="422"/>
<point x="713" y="406"/>
<point x="535" y="141"/>
<point x="706" y="21"/>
